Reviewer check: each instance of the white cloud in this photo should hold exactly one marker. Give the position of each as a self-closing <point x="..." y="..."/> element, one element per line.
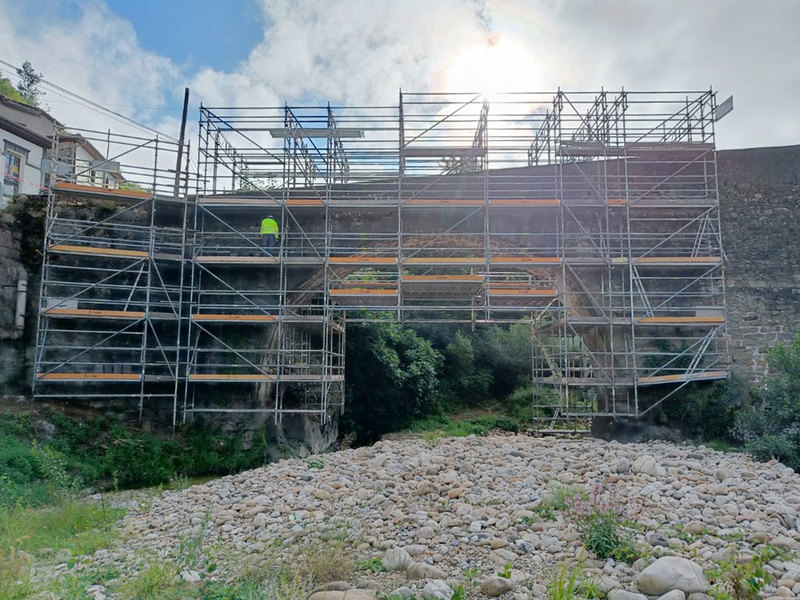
<point x="363" y="51"/>
<point x="97" y="56"/>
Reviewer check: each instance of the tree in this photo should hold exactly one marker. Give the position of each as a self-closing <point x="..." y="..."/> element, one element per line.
<point x="28" y="84"/>
<point x="392" y="376"/>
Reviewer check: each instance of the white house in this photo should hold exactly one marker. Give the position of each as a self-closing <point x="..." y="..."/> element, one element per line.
<point x="26" y="138"/>
<point x="86" y="164"/>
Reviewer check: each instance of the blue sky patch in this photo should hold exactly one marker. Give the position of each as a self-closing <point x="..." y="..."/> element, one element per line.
<point x="196" y="33"/>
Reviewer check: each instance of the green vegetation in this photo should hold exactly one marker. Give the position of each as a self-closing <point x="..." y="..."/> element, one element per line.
<point x="506" y="572"/>
<point x="706" y="412"/>
<point x="737" y="579"/>
<point x="444" y="425"/>
<point x="565" y="582"/>
<point x="66" y="527"/>
<point x="45" y="454"/>
<point x="9" y="91"/>
<point x="557" y="499"/>
<point x="373" y="565"/>
<point x="160" y="581"/>
<point x="78" y="527"/>
<point x="416" y="379"/>
<point x="764" y="421"/>
<point x="329" y="561"/>
<point x="770" y="426"/>
<point x="392" y="379"/>
<point x="28" y="84"/>
<point x="604" y="522"/>
<point x="27" y="90"/>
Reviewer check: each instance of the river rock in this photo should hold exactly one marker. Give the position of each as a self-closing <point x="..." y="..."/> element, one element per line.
<point x="647" y="465"/>
<point x="437" y="590"/>
<point x="621" y="466"/>
<point x="396" y="559"/>
<point x="619" y="594"/>
<point x="421" y="570"/>
<point x="671" y="573"/>
<point x="673" y="595"/>
<point x="496" y="586"/>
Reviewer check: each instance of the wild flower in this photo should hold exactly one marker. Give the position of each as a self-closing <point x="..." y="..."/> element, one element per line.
<point x="605" y="522"/>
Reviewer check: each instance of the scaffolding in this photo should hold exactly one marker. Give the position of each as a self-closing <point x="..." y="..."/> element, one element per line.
<point x="112" y="290"/>
<point x="592" y="218"/>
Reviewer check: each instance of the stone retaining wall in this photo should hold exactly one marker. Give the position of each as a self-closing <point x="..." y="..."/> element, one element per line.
<point x="760" y="215"/>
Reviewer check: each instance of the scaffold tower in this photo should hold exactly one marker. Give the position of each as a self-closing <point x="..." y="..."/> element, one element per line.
<point x="112" y="272"/>
<point x="593" y="218"/>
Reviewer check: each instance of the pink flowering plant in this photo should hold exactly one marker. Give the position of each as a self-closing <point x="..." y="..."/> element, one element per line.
<point x="605" y="522"/>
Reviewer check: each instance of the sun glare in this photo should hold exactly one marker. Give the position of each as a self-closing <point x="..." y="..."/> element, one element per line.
<point x="499" y="65"/>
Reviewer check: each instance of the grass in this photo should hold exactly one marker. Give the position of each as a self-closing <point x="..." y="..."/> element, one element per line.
<point x="565" y="582"/>
<point x="15" y="581"/>
<point x="722" y="446"/>
<point x="153" y="583"/>
<point x="331" y="561"/>
<point x="30" y="533"/>
<point x="161" y="581"/>
<point x="72" y="584"/>
<point x="373" y="565"/>
<point x="442" y="426"/>
<point x="78" y="527"/>
<point x="558" y="494"/>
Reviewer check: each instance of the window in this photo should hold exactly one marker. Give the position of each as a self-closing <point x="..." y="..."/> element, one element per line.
<point x="12" y="173"/>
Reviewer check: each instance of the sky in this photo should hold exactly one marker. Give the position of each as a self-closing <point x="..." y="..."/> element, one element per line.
<point x="136" y="56"/>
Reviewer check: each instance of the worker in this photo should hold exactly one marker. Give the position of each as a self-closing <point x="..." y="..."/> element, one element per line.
<point x="269" y="233"/>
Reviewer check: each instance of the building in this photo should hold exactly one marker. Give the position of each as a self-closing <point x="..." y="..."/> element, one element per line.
<point x="86" y="163"/>
<point x="26" y="135"/>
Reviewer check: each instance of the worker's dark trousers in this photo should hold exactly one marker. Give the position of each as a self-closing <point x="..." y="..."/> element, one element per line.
<point x="269" y="242"/>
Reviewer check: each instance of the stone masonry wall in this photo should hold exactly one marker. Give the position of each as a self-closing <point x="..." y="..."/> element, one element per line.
<point x="13" y="276"/>
<point x="760" y="215"/>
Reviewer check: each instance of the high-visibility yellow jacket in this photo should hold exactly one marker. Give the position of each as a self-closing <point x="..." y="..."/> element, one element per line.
<point x="270" y="226"/>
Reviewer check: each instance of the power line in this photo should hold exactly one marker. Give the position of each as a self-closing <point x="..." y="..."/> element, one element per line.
<point x="58" y="90"/>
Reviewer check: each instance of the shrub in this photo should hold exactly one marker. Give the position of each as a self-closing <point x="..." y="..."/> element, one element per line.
<point x="735" y="579"/>
<point x="505" y="353"/>
<point x="779" y="446"/>
<point x="96" y="452"/>
<point x="464" y="382"/>
<point x="392" y="375"/>
<point x="604" y="522"/>
<point x="707" y="411"/>
<point x="770" y="427"/>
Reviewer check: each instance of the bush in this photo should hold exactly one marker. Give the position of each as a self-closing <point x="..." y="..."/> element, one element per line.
<point x="707" y="411"/>
<point x="464" y="383"/>
<point x="506" y="354"/>
<point x="99" y="453"/>
<point x="392" y="379"/>
<point x="770" y="426"/>
<point x="604" y="522"/>
<point x="519" y="403"/>
<point x="774" y="446"/>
